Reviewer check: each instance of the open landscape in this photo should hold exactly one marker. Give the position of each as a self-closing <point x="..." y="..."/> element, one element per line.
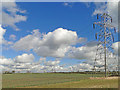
<point x="59" y="44"/>
<point x="57" y="80"/>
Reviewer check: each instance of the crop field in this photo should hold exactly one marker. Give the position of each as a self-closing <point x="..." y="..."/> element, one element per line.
<point x="56" y="80"/>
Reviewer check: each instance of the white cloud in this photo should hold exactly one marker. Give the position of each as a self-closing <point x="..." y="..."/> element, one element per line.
<point x="24" y="64"/>
<point x="8" y="64"/>
<point x="84" y="52"/>
<point x="5" y="61"/>
<point x="53" y="44"/>
<point x="81" y="67"/>
<point x="12" y="17"/>
<point x="52" y="63"/>
<point x="28" y="42"/>
<point x="24" y="58"/>
<point x="88" y="53"/>
<point x="50" y="44"/>
<point x="2" y="32"/>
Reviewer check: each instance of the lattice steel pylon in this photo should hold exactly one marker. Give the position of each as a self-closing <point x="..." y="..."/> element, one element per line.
<point x="105" y="39"/>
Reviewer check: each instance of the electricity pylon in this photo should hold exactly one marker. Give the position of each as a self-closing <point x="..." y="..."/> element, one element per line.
<point x="105" y="39"/>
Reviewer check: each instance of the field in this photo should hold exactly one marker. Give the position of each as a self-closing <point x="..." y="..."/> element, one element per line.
<point x="56" y="80"/>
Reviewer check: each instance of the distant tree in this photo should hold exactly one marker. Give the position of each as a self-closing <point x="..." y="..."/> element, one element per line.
<point x="13" y="71"/>
<point x="7" y="72"/>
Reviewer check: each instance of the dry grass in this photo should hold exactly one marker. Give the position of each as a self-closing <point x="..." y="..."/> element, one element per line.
<point x="103" y="77"/>
<point x="101" y="83"/>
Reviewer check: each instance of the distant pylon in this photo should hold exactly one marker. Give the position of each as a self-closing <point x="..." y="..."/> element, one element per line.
<point x="105" y="39"/>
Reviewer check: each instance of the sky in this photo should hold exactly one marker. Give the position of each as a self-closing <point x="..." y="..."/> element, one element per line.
<point x="42" y="36"/>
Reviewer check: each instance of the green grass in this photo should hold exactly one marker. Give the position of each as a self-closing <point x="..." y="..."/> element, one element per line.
<point x="83" y="84"/>
<point x="55" y="80"/>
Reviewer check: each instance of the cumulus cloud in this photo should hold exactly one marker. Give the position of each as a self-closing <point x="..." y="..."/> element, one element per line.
<point x="24" y="58"/>
<point x="53" y="44"/>
<point x="56" y="45"/>
<point x="81" y="67"/>
<point x="52" y="63"/>
<point x="28" y="42"/>
<point x="5" y="61"/>
<point x="10" y="14"/>
<point x="88" y="53"/>
<point x="84" y="52"/>
<point x="23" y="63"/>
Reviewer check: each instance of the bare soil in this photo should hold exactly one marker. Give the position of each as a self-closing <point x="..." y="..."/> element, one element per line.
<point x="103" y="77"/>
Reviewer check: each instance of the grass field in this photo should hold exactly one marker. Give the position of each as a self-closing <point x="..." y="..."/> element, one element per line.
<point x="56" y="80"/>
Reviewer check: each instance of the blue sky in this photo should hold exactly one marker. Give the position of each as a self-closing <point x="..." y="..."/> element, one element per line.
<point x="48" y="17"/>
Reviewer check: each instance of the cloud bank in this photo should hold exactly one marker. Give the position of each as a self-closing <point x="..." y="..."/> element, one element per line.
<point x="54" y="44"/>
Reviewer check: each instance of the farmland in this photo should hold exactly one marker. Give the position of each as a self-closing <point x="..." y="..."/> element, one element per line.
<point x="56" y="80"/>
